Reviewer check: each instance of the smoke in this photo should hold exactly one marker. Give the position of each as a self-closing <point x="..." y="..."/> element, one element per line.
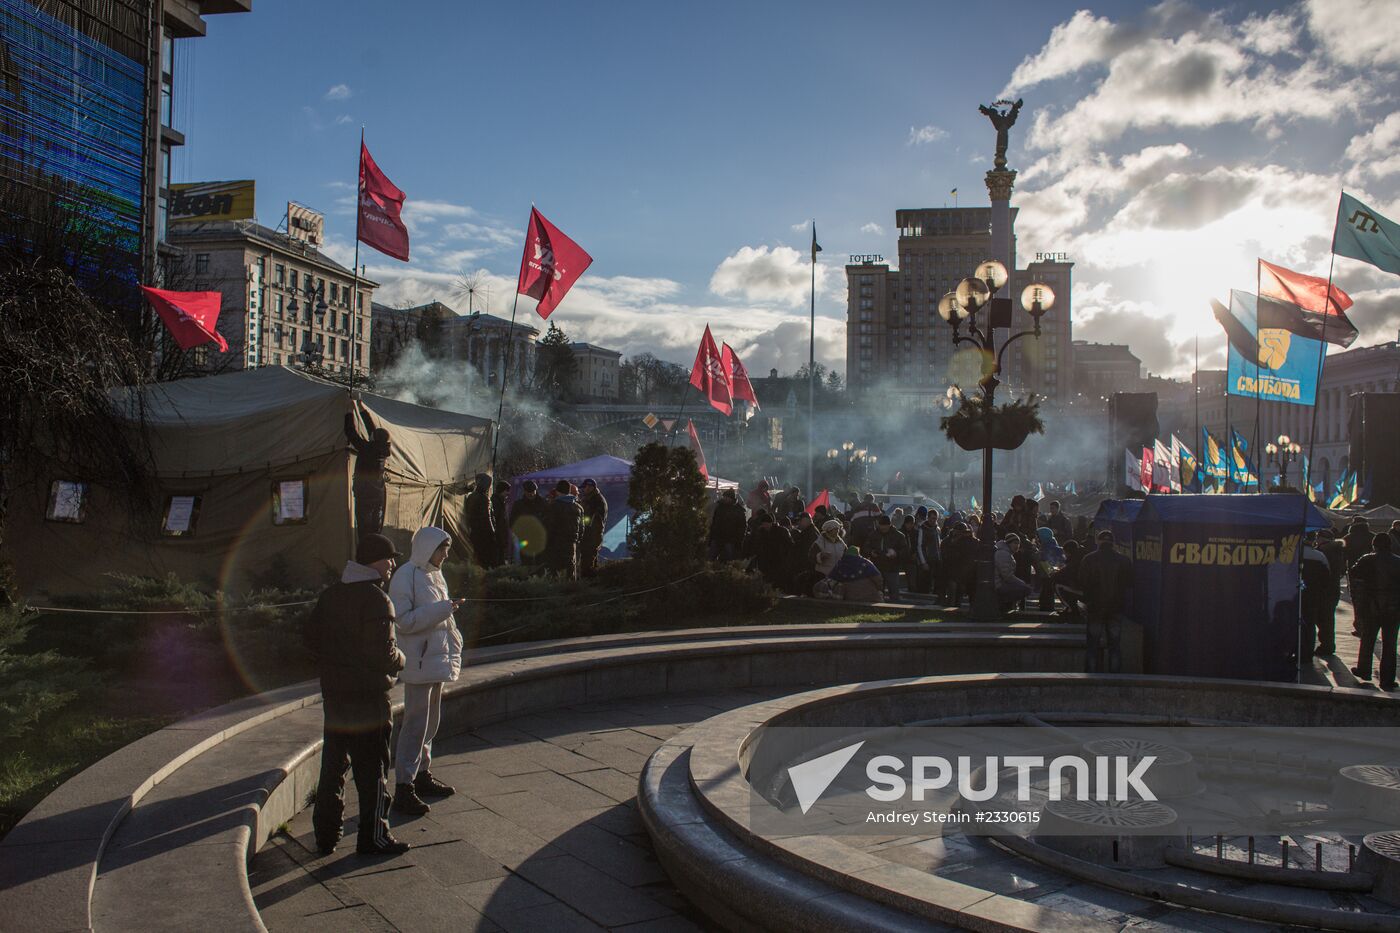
<point x="531" y="437"/>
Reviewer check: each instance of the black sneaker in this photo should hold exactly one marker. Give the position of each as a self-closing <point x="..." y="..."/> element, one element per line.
<point x="1356" y="672"/>
<point x="389" y="846"/>
<point x="408" y="802"/>
<point x="428" y="786"/>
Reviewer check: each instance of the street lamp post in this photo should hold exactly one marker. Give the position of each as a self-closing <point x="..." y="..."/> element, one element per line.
<point x="972" y="295"/>
<point x="1281" y="454"/>
<point x="848" y="457"/>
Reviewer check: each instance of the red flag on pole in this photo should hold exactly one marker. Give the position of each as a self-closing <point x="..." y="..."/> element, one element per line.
<point x="1147" y="484"/>
<point x="378" y="224"/>
<point x="741" y="388"/>
<point x="695" y="446"/>
<point x="550" y="265"/>
<point x="821" y="498"/>
<point x="708" y="376"/>
<point x="191" y="317"/>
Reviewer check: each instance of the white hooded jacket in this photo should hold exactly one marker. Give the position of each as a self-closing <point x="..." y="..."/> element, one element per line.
<point x="427" y="633"/>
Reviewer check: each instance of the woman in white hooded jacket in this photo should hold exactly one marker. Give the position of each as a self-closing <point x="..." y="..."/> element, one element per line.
<point x="432" y="647"/>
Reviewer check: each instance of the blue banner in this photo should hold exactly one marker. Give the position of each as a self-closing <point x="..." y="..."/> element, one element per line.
<point x="1242" y="469"/>
<point x="1286" y="370"/>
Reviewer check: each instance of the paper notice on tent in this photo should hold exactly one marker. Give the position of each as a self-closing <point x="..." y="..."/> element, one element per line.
<point x="289" y="502"/>
<point x="179" y="515"/>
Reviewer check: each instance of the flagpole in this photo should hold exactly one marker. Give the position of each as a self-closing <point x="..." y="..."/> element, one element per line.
<point x="355" y="268"/>
<point x="501" y="406"/>
<point x="1258" y="393"/>
<point x="812" y="362"/>
<point x="1229" y="428"/>
<point x="1322" y="354"/>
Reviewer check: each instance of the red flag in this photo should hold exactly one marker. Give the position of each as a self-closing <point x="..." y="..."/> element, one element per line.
<point x="708" y="376"/>
<point x="550" y="265"/>
<point x="742" y="389"/>
<point x="1147" y="484"/>
<point x="191" y="317"/>
<point x="1312" y="315"/>
<point x="821" y="498"/>
<point x="378" y="224"/>
<point x="695" y="446"/>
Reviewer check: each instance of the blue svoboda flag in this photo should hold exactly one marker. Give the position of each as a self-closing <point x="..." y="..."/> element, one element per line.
<point x="1287" y="364"/>
<point x="1364" y="234"/>
<point x="1242" y="470"/>
<point x="1213" y="463"/>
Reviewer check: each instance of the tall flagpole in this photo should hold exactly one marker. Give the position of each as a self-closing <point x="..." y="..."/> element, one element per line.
<point x="505" y="374"/>
<point x="1258" y="393"/>
<point x="1322" y="355"/>
<point x="812" y="363"/>
<point x="355" y="269"/>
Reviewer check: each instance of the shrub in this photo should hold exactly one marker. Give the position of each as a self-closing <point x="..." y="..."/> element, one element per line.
<point x="32" y="684"/>
<point x="667" y="494"/>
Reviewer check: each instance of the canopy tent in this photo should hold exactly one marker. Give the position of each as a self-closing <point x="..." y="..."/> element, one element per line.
<point x="251" y="486"/>
<point x="1216" y="583"/>
<point x="612" y="475"/>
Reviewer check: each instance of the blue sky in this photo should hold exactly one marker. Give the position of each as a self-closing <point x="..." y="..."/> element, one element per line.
<point x="685" y="145"/>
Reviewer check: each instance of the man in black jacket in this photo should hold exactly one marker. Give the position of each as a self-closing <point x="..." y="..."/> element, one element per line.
<point x="595" y="522"/>
<point x="1375" y="580"/>
<point x="1106" y="579"/>
<point x="564" y="525"/>
<point x="371" y="458"/>
<point x="527" y="523"/>
<point x="351" y="635"/>
<point x="481" y="523"/>
<point x="728" y="525"/>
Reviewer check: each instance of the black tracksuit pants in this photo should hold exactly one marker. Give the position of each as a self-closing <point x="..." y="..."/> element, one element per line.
<point x="357" y="734"/>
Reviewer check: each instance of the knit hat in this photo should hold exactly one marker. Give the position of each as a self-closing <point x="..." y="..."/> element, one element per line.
<point x="833" y="525"/>
<point x="373" y="548"/>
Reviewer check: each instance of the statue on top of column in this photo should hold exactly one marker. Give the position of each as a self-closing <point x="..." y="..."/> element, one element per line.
<point x="1003" y="120"/>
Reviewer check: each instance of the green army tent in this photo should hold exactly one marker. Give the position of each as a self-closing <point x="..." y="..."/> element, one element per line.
<point x="252" y="485"/>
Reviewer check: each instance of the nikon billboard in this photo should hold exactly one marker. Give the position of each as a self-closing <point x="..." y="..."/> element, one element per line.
<point x="198" y="202"/>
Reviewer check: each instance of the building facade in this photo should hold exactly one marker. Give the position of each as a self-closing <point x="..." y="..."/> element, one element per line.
<point x="1101" y="369"/>
<point x="285" y="303"/>
<point x="596" y="375"/>
<point x="491" y="345"/>
<point x="1344" y="374"/>
<point x="897" y="344"/>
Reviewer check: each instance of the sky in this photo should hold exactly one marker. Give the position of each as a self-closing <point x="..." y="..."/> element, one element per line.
<point x="689" y="147"/>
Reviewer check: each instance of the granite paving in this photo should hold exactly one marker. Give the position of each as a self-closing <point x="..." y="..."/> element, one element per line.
<point x="543" y="833"/>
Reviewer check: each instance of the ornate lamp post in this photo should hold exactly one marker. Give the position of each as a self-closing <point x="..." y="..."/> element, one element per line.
<point x="1281" y="454"/>
<point x="848" y="457"/>
<point x="973" y="294"/>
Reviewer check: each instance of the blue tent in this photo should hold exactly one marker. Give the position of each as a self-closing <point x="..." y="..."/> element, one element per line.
<point x="1216" y="583"/>
<point x="612" y="475"/>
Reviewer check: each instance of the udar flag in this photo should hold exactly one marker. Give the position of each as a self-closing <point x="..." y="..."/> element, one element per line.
<point x="741" y="388"/>
<point x="1283" y="366"/>
<point x="708" y="376"/>
<point x="550" y="265"/>
<point x="822" y="498"/>
<point x="191" y="317"/>
<point x="378" y="223"/>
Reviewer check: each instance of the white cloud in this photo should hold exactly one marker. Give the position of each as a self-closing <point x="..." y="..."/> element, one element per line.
<point x="921" y="135"/>
<point x="1073" y="45"/>
<point x="873" y="229"/>
<point x="780" y="275"/>
<point x="497" y="235"/>
<point x="343" y="119"/>
<point x="801" y="225"/>
<point x="1357" y="32"/>
<point x="338" y="92"/>
<point x="1376" y="153"/>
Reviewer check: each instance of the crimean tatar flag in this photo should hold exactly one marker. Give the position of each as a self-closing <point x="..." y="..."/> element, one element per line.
<point x="378" y="223"/>
<point x="550" y="265"/>
<point x="695" y="446"/>
<point x="708" y="375"/>
<point x="741" y="388"/>
<point x="191" y="317"/>
<point x="1361" y="233"/>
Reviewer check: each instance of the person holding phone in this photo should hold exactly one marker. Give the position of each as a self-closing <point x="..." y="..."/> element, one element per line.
<point x="432" y="646"/>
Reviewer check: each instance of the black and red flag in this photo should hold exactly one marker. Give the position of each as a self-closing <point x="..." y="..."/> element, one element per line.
<point x="1307" y="305"/>
<point x="709" y="377"/>
<point x="550" y="265"/>
<point x="378" y="223"/>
